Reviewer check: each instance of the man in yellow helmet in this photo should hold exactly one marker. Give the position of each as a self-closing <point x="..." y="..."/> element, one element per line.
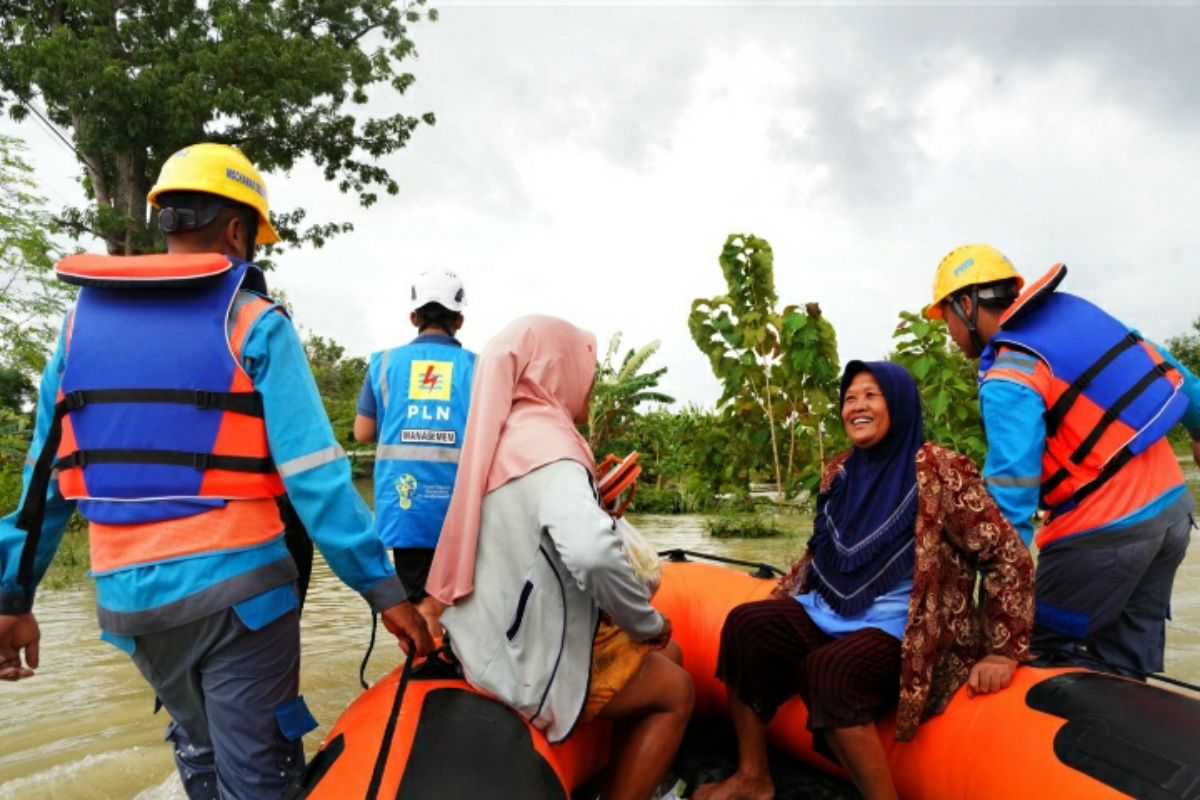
<point x="205" y="181"/>
<point x="1076" y="408"/>
<point x="180" y="416"/>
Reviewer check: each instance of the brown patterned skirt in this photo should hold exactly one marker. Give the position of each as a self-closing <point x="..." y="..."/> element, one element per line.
<point x="771" y="651"/>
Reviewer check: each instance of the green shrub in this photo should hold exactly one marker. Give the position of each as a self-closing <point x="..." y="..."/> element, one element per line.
<point x="743" y="526"/>
<point x="70" y="565"/>
<point x="650" y="500"/>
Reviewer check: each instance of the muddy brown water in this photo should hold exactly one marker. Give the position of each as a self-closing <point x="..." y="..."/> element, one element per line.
<point x="82" y="728"/>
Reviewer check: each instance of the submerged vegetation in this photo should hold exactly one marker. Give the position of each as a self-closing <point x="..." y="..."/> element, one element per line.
<point x="745" y="526"/>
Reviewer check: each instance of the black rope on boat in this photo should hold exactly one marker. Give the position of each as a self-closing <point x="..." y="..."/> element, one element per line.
<point x="760" y="570"/>
<point x="439" y="664"/>
<point x="389" y="731"/>
<point x="362" y="668"/>
<point x="1118" y="669"/>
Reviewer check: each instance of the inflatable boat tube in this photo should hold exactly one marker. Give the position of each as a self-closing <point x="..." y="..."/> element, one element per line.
<point x="423" y="735"/>
<point x="1061" y="733"/>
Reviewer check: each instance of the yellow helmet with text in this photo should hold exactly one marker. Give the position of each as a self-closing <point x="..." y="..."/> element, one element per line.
<point x="220" y="170"/>
<point x="969" y="265"/>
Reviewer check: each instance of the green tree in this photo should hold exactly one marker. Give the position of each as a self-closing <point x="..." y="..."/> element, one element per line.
<point x="689" y="456"/>
<point x="136" y="80"/>
<point x="339" y="378"/>
<point x="946" y="380"/>
<point x="809" y="373"/>
<point x="32" y="302"/>
<point x="1186" y="347"/>
<point x="618" y="392"/>
<point x="774" y="365"/>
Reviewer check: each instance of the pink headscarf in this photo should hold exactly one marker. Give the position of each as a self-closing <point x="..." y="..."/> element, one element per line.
<point x="531" y="381"/>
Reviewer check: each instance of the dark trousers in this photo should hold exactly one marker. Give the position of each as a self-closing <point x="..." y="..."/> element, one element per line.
<point x="232" y="695"/>
<point x="1105" y="597"/>
<point x="771" y="650"/>
<point x="412" y="568"/>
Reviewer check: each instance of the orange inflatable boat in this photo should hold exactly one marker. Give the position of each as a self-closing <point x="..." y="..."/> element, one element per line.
<point x="1053" y="733"/>
<point x="425" y="734"/>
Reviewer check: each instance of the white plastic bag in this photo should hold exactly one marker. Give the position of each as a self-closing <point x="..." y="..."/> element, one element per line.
<point x="647" y="566"/>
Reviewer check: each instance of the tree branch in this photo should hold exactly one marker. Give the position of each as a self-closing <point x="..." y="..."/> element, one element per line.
<point x="77" y="227"/>
<point x="354" y="39"/>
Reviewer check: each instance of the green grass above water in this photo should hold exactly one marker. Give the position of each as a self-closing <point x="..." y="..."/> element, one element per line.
<point x="757" y="525"/>
<point x="70" y="565"/>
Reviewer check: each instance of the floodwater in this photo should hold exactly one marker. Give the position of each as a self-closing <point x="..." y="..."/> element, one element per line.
<point x="82" y="728"/>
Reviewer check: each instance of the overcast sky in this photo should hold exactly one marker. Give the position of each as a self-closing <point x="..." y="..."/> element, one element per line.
<point x="589" y="161"/>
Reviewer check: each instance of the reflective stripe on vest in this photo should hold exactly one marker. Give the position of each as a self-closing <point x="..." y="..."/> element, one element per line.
<point x="384" y="389"/>
<point x="416" y="452"/>
<point x="318" y="458"/>
<point x="1109" y="396"/>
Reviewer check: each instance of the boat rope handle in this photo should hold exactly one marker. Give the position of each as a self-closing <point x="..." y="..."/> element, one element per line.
<point x="761" y="570"/>
<point x="1112" y="666"/>
<point x="362" y="668"/>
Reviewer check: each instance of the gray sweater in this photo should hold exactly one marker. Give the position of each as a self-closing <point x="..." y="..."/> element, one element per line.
<point x="548" y="561"/>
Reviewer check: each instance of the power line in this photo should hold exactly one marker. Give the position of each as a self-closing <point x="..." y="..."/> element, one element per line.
<point x="31" y="107"/>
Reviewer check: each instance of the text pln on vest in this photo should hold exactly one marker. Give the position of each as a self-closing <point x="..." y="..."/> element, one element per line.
<point x="440" y="414"/>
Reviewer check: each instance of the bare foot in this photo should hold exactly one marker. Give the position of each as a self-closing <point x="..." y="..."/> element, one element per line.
<point x="737" y="787"/>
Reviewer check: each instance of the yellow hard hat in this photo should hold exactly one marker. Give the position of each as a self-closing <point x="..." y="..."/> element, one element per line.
<point x="969" y="265"/>
<point x="221" y="170"/>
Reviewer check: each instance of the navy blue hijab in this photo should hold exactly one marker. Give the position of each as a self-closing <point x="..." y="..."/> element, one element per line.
<point x="862" y="543"/>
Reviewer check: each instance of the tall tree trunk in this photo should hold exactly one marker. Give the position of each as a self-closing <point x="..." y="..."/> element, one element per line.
<point x="821" y="444"/>
<point x="768" y="407"/>
<point x="792" y="444"/>
<point x="131" y="199"/>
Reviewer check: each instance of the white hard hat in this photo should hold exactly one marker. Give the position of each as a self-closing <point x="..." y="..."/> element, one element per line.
<point x="439" y="286"/>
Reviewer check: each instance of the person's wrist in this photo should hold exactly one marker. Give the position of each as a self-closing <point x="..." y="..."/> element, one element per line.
<point x="15" y="603"/>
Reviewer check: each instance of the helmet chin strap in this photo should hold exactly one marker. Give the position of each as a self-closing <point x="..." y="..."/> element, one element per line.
<point x="972" y="322"/>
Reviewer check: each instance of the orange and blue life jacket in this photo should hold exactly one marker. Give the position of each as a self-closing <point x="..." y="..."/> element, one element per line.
<point x="157" y="422"/>
<point x="1109" y="396"/>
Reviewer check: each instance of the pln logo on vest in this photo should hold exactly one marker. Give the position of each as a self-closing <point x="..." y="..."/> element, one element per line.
<point x="430" y="380"/>
<point x="406" y="487"/>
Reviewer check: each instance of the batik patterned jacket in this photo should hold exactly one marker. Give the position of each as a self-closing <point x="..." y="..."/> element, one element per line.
<point x="960" y="533"/>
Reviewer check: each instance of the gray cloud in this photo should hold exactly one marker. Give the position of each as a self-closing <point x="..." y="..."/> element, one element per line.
<point x="590" y="161"/>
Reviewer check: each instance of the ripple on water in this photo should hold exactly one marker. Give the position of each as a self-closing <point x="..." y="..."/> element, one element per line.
<point x="122" y="770"/>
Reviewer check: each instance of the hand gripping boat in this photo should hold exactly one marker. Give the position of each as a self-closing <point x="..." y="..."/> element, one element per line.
<point x="1053" y="733"/>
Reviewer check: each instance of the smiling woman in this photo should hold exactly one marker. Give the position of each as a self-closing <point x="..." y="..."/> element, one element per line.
<point x="903" y="530"/>
<point x="865" y="411"/>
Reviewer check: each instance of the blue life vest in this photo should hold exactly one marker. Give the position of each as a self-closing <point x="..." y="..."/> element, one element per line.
<point x="149" y="387"/>
<point x="1111" y="395"/>
<point x="422" y="395"/>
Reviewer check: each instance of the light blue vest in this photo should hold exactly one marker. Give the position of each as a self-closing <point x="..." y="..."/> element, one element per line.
<point x="422" y="395"/>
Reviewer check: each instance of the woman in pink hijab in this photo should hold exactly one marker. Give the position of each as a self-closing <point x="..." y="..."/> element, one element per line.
<point x="544" y="609"/>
